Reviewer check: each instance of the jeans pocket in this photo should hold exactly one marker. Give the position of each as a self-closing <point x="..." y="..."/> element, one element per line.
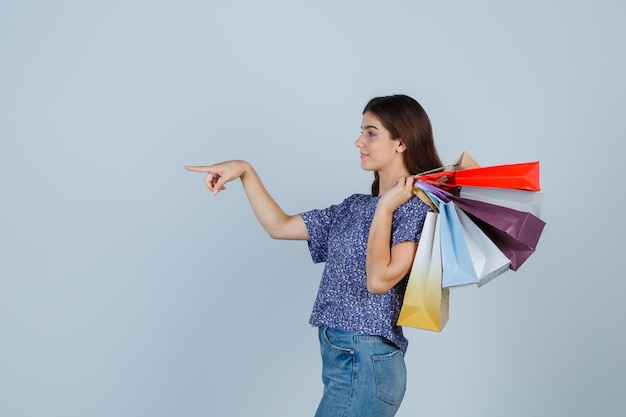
<point x="390" y="373"/>
<point x="335" y="340"/>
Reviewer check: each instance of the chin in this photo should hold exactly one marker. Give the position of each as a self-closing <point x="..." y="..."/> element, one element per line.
<point x="366" y="167"/>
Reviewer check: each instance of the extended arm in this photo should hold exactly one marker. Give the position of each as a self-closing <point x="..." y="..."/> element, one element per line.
<point x="272" y="218"/>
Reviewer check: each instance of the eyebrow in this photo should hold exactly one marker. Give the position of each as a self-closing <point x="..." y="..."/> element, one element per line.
<point x="369" y="127"/>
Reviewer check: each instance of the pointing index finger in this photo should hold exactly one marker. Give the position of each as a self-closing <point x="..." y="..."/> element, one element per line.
<point x="198" y="168"/>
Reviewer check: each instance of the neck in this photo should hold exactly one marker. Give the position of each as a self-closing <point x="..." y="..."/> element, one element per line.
<point x="386" y="180"/>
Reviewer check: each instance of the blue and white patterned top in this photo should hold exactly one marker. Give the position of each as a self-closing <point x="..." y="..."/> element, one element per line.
<point x="339" y="237"/>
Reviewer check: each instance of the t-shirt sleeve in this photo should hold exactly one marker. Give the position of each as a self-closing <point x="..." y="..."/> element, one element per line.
<point x="408" y="221"/>
<point x="318" y="224"/>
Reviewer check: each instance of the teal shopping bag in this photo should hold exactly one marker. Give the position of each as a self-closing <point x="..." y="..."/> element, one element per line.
<point x="456" y="260"/>
<point x="458" y="267"/>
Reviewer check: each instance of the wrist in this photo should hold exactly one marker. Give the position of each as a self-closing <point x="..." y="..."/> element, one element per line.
<point x="385" y="208"/>
<point x="244" y="168"/>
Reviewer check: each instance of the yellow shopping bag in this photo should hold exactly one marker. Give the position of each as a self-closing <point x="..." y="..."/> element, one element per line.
<point x="426" y="304"/>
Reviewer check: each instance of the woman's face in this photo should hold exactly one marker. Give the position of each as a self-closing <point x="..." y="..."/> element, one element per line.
<point x="378" y="150"/>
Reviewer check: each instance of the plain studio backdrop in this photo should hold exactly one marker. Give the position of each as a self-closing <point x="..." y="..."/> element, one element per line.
<point x="128" y="290"/>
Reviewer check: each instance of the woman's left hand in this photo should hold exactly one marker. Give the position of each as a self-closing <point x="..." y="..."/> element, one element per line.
<point x="400" y="193"/>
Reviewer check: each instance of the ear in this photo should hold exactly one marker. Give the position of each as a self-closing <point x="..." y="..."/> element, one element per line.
<point x="400" y="147"/>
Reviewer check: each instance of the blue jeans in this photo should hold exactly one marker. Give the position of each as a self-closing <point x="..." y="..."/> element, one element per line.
<point x="363" y="375"/>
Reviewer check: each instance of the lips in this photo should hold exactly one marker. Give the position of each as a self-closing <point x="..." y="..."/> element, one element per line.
<point x="364" y="155"/>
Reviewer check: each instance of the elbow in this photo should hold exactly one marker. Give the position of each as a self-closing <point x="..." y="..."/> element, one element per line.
<point x="381" y="283"/>
<point x="283" y="228"/>
<point x="376" y="287"/>
<point x="376" y="282"/>
<point x="278" y="233"/>
<point x="273" y="235"/>
<point x="274" y="232"/>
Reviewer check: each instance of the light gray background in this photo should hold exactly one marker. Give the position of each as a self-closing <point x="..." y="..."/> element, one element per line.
<point x="127" y="289"/>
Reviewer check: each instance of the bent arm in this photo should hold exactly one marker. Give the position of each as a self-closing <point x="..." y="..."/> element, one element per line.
<point x="385" y="265"/>
<point x="270" y="215"/>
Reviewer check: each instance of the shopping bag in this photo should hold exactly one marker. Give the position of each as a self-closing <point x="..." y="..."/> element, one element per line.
<point x="516" y="251"/>
<point x="426" y="303"/>
<point x="458" y="268"/>
<point x="516" y="233"/>
<point x="520" y="225"/>
<point x="457" y="264"/>
<point x="439" y="175"/>
<point x="421" y="194"/>
<point x="488" y="261"/>
<point x="522" y="176"/>
<point x="464" y="161"/>
<point x="521" y="200"/>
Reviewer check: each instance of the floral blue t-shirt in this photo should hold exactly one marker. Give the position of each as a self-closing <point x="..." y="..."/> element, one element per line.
<point x="339" y="236"/>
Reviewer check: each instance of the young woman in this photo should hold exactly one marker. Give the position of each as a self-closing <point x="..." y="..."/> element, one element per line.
<point x="368" y="243"/>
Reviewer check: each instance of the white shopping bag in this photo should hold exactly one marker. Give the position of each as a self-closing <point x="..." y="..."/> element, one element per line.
<point x="489" y="262"/>
<point x="521" y="200"/>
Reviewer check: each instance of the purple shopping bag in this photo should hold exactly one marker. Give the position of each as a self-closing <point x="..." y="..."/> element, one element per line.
<point x="516" y="233"/>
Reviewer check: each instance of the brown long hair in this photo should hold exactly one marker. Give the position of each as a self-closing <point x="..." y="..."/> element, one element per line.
<point x="405" y="118"/>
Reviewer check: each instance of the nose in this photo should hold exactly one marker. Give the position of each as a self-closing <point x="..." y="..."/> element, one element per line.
<point x="359" y="142"/>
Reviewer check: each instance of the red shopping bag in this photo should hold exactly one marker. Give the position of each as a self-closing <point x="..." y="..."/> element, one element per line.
<point x="522" y="176"/>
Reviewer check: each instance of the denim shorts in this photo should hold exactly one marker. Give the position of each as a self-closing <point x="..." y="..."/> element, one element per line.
<point x="363" y="375"/>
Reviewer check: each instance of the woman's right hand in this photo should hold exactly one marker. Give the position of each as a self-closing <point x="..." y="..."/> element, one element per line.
<point x="221" y="173"/>
<point x="274" y="220"/>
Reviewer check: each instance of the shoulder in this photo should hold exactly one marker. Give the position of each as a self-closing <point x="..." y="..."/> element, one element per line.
<point x="349" y="204"/>
<point x="408" y="221"/>
<point x="356" y="200"/>
<point x="413" y="206"/>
